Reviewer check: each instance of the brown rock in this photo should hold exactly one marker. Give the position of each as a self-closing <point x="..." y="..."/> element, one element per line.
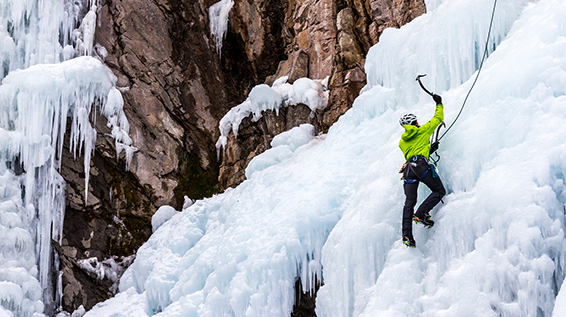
<point x="388" y="13"/>
<point x="171" y="78"/>
<point x="295" y="67"/>
<point x="254" y="137"/>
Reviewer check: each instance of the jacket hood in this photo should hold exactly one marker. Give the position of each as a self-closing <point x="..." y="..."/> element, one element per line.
<point x="410" y="131"/>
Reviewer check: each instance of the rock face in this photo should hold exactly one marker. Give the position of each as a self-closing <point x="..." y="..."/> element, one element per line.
<point x="322" y="39"/>
<point x="176" y="88"/>
<point x="175" y="92"/>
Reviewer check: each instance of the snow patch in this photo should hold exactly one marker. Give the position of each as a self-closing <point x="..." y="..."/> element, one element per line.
<point x="162" y="215"/>
<point x="282" y="147"/>
<point x="110" y="269"/>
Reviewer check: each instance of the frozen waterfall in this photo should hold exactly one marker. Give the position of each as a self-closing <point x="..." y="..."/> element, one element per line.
<point x="328" y="208"/>
<point x="45" y="81"/>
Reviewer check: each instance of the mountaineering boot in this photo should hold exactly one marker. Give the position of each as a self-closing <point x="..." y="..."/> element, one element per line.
<point x="409" y="241"/>
<point x="426" y="221"/>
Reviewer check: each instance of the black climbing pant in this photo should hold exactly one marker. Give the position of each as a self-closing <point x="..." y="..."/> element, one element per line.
<point x="419" y="170"/>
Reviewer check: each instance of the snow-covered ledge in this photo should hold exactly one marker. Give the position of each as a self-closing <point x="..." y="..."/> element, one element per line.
<point x="312" y="93"/>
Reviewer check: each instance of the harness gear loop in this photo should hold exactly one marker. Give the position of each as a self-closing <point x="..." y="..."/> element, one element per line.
<point x="409" y="167"/>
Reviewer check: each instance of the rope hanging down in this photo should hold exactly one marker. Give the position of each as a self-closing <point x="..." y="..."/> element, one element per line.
<point x="436" y="136"/>
<point x="479" y="71"/>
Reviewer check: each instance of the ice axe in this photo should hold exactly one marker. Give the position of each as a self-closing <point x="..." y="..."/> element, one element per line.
<point x="422" y="86"/>
<point x="435" y="141"/>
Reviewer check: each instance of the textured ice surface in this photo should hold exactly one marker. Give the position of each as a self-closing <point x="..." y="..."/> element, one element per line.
<point x="282" y="147"/>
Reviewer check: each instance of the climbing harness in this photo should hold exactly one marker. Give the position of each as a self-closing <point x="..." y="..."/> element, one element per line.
<point x="409" y="167"/>
<point x="436" y="142"/>
<point x="411" y="164"/>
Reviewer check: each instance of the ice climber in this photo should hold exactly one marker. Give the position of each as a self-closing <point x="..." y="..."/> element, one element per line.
<point x="415" y="144"/>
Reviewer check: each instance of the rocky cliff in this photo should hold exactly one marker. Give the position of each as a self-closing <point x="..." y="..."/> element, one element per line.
<point x="321" y="39"/>
<point x="177" y="86"/>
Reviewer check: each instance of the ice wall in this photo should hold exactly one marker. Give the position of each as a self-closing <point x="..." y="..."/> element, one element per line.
<point x="37" y="32"/>
<point x="36" y="103"/>
<point x="43" y="85"/>
<point x="20" y="290"/>
<point x="450" y="52"/>
<point x="497" y="248"/>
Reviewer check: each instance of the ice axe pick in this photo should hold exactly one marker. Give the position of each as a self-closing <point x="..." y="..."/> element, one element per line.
<point x="422" y="86"/>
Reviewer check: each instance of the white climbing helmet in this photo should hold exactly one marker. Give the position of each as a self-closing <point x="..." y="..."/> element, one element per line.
<point x="407" y="119"/>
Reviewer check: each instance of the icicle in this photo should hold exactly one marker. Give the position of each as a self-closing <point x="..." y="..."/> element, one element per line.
<point x="87" y="28"/>
<point x="218" y="16"/>
<point x="117" y="122"/>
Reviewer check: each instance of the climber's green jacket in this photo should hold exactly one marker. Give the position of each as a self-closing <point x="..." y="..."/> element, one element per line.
<point x="416" y="140"/>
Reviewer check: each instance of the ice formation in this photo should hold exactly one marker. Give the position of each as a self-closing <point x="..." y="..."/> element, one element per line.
<point x="497" y="248"/>
<point x="110" y="269"/>
<point x="36" y="32"/>
<point x="43" y="85"/>
<point x="282" y="147"/>
<point x="218" y="16"/>
<point x="312" y="93"/>
<point x="161" y="216"/>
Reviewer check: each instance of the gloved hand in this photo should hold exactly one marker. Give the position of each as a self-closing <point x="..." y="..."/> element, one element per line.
<point x="437" y="99"/>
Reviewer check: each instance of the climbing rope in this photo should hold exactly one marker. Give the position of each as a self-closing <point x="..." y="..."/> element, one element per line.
<point x="435" y="139"/>
<point x="478" y="74"/>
